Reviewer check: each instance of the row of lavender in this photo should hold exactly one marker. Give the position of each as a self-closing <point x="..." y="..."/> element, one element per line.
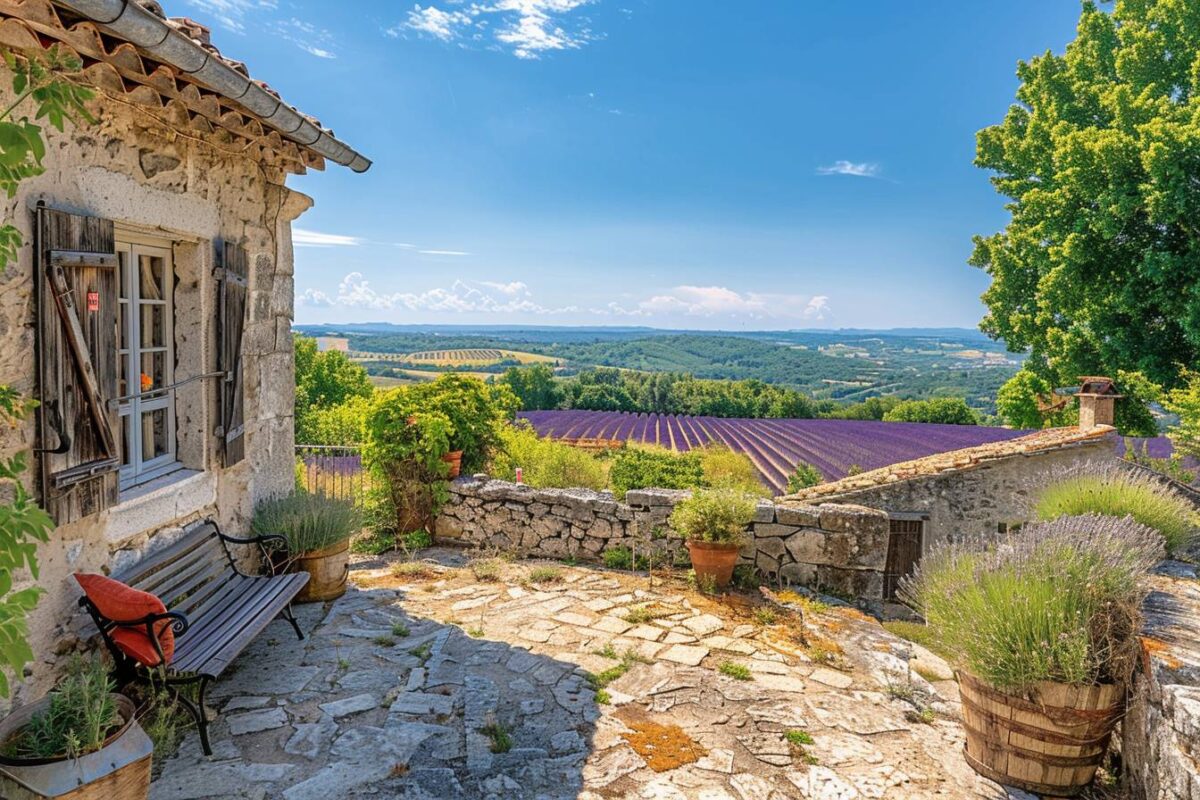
<point x="776" y="446"/>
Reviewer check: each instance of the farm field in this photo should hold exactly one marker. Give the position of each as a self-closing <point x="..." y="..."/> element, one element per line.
<point x="459" y="357"/>
<point x="775" y="446"/>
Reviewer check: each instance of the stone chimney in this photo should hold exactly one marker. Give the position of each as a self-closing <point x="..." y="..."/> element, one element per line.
<point x="1097" y="402"/>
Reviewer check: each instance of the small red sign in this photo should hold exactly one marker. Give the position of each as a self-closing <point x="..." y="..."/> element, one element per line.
<point x="93" y="301"/>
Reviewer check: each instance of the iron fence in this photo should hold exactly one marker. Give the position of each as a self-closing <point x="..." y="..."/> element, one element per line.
<point x="332" y="471"/>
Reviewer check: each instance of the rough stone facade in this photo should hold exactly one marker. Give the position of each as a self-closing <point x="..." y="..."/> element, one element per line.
<point x="837" y="547"/>
<point x="1160" y="735"/>
<point x="129" y="168"/>
<point x="975" y="500"/>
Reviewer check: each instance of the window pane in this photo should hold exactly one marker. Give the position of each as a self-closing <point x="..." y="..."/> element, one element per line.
<point x="126" y="445"/>
<point x="154" y="371"/>
<point x="153" y="331"/>
<point x="123" y="261"/>
<point x="123" y="322"/>
<point x="154" y="434"/>
<point x="152" y="282"/>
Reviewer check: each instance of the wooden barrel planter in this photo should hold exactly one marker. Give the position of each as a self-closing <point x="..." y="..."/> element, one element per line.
<point x="1050" y="744"/>
<point x="328" y="569"/>
<point x="120" y="769"/>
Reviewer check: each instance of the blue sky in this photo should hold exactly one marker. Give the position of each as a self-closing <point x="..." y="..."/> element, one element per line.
<point x="675" y="163"/>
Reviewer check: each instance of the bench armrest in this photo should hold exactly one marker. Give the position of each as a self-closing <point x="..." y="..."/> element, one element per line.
<point x="261" y="541"/>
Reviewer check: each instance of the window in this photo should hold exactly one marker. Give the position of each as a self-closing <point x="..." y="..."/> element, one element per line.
<point x="146" y="359"/>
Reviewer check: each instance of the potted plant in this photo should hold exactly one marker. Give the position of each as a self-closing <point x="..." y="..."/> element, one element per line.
<point x="477" y="414"/>
<point x="81" y="741"/>
<point x="1043" y="629"/>
<point x="713" y="523"/>
<point x="318" y="530"/>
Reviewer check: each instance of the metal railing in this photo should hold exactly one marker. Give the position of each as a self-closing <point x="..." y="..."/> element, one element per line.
<point x="332" y="471"/>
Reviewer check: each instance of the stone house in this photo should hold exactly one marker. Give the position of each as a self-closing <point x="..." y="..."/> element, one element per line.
<point x="150" y="310"/>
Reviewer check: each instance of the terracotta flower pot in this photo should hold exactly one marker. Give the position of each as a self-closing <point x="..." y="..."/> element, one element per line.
<point x="1049" y="741"/>
<point x="121" y="768"/>
<point x="454" y="459"/>
<point x="713" y="561"/>
<point x="328" y="569"/>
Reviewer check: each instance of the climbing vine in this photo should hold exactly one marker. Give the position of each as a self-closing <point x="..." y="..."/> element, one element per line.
<point x="40" y="85"/>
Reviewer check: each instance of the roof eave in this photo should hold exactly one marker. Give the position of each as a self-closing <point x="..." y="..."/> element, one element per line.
<point x="136" y="25"/>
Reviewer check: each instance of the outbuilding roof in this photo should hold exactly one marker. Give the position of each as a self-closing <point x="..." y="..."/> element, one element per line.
<point x="132" y="50"/>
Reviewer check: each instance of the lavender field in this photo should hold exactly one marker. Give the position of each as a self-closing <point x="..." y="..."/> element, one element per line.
<point x="775" y="445"/>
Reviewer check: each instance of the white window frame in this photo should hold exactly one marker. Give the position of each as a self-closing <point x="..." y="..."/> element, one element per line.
<point x="130" y="247"/>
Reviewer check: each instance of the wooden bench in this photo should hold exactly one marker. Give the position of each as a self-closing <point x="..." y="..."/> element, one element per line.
<point x="214" y="609"/>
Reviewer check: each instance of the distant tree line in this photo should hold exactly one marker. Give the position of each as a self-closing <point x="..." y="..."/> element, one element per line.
<point x="604" y="389"/>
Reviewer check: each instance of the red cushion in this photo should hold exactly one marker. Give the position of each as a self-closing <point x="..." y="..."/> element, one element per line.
<point x="121" y="603"/>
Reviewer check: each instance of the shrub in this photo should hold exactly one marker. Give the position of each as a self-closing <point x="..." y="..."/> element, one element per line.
<point x="645" y="467"/>
<point x="544" y="575"/>
<point x="404" y="450"/>
<point x="1060" y="602"/>
<point x="80" y="716"/>
<point x="722" y="467"/>
<point x="944" y="410"/>
<point x="1116" y="492"/>
<point x="487" y="569"/>
<point x="804" y="476"/>
<point x="1184" y="401"/>
<point x="618" y="558"/>
<point x="545" y="463"/>
<point x="308" y="521"/>
<point x="714" y="515"/>
<point x="478" y="414"/>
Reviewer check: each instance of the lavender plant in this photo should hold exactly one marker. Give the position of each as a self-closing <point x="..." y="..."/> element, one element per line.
<point x="1058" y="601"/>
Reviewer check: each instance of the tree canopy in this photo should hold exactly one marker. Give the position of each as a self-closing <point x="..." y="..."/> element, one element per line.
<point x="945" y="410"/>
<point x="1098" y="270"/>
<point x="323" y="380"/>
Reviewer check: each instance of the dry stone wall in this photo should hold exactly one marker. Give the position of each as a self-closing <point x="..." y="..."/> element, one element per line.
<point x="837" y="547"/>
<point x="1160" y="735"/>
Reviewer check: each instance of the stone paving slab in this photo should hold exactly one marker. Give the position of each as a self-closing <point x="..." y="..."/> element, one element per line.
<point x="345" y="715"/>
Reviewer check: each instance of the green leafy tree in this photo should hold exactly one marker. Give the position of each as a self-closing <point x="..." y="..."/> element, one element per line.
<point x="1020" y="401"/>
<point x="944" y="410"/>
<point x="323" y="381"/>
<point x="1097" y="271"/>
<point x="45" y="81"/>
<point x="1185" y="402"/>
<point x="534" y="386"/>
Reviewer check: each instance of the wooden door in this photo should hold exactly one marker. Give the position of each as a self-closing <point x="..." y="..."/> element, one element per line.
<point x="904" y="551"/>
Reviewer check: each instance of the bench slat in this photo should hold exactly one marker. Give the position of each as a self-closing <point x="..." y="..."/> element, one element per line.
<point x="187" y="585"/>
<point x="237" y="624"/>
<point x="204" y="534"/>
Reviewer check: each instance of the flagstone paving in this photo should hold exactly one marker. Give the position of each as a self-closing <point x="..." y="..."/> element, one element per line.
<point x="403" y="685"/>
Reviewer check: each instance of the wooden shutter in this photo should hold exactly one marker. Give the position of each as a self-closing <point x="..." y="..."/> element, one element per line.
<point x="77" y="286"/>
<point x="232" y="275"/>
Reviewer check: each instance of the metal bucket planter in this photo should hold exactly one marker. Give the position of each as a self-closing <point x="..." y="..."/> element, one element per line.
<point x="713" y="561"/>
<point x="1049" y="743"/>
<point x="120" y="769"/>
<point x="328" y="570"/>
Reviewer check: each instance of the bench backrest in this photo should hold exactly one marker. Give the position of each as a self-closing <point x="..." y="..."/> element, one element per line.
<point x="186" y="573"/>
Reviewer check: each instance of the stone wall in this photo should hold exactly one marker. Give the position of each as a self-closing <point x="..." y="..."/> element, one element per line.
<point x="838" y="547"/>
<point x="978" y="499"/>
<point x="129" y="168"/>
<point x="1160" y="735"/>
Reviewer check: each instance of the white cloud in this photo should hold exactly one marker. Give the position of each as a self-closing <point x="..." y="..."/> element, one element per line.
<point x="721" y="302"/>
<point x="513" y="288"/>
<point x="857" y="170"/>
<point x="527" y="28"/>
<point x="237" y="15"/>
<point x="460" y="297"/>
<point x="231" y="14"/>
<point x="307" y="238"/>
<point x="443" y="253"/>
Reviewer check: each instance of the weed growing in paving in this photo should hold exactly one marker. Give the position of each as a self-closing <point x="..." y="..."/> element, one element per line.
<point x="400" y="630"/>
<point x="765" y="615"/>
<point x="501" y="739"/>
<point x="544" y="575"/>
<point x="487" y="569"/>
<point x="600" y="681"/>
<point x="422" y="652"/>
<point x="618" y="558"/>
<point x="412" y="569"/>
<point x="799" y="739"/>
<point x="603" y="697"/>
<point x="608" y="651"/>
<point x="642" y="614"/>
<point x="735" y="670"/>
<point x="385" y="641"/>
<point x="475" y="633"/>
<point x="705" y="584"/>
<point x="343" y="664"/>
<point x="924" y="715"/>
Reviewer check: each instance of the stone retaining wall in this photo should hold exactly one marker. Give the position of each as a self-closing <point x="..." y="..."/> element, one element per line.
<point x="840" y="548"/>
<point x="1160" y="735"/>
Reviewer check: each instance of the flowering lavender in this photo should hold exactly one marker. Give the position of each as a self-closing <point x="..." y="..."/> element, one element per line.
<point x="1057" y="601"/>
